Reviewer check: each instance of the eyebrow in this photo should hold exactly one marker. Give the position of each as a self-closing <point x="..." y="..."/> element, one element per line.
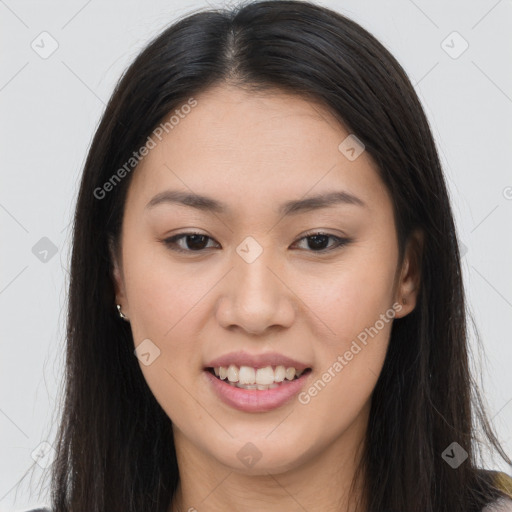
<point x="293" y="207"/>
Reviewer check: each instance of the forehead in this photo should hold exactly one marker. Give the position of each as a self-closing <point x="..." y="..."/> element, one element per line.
<point x="244" y="124"/>
<point x="242" y="146"/>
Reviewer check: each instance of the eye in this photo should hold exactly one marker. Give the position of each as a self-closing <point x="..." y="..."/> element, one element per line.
<point x="198" y="242"/>
<point x="194" y="242"/>
<point x="318" y="240"/>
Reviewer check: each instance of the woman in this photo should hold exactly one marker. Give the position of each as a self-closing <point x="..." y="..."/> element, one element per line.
<point x="266" y="305"/>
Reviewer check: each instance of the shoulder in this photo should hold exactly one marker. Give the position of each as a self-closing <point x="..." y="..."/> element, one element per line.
<point x="503" y="482"/>
<point x="501" y="505"/>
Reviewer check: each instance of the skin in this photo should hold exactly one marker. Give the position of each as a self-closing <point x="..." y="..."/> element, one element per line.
<point x="254" y="152"/>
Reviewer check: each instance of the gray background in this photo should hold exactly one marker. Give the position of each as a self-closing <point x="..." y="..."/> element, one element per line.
<point x="50" y="108"/>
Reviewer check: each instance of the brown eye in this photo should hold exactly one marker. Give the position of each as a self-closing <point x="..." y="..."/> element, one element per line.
<point x="198" y="242"/>
<point x="191" y="242"/>
<point x="318" y="242"/>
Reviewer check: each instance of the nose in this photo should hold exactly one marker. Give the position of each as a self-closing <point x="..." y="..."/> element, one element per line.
<point x="256" y="297"/>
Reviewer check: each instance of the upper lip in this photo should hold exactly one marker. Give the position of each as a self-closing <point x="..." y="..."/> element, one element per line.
<point x="242" y="358"/>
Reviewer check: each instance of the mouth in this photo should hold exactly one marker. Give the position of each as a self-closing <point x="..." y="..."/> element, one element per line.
<point x="255" y="382"/>
<point x="256" y="397"/>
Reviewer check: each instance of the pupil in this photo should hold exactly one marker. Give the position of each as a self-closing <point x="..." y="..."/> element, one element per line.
<point x="316" y="244"/>
<point x="195" y="238"/>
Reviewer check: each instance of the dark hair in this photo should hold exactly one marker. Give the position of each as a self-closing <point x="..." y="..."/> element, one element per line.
<point x="115" y="447"/>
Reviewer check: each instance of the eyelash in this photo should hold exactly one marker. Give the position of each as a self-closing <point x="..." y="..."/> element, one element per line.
<point x="340" y="242"/>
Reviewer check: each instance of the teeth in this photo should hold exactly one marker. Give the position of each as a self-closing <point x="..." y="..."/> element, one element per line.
<point x="260" y="387"/>
<point x="246" y="386"/>
<point x="246" y="375"/>
<point x="280" y="374"/>
<point x="233" y="373"/>
<point x="256" y="378"/>
<point x="290" y="373"/>
<point x="265" y="376"/>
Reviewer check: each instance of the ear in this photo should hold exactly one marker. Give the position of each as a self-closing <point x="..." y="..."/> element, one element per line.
<point x="408" y="285"/>
<point x="117" y="276"/>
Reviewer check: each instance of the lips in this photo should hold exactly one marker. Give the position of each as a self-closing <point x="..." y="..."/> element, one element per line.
<point x="255" y="400"/>
<point x="242" y="358"/>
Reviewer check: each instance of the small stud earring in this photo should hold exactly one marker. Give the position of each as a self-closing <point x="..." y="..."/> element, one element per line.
<point x="121" y="314"/>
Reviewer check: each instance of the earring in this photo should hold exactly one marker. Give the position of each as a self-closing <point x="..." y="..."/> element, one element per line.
<point x="404" y="301"/>
<point x="121" y="314"/>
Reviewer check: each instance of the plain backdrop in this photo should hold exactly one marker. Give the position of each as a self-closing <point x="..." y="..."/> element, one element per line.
<point x="457" y="55"/>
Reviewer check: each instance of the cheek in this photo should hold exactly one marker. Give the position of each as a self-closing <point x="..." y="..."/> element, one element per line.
<point x="349" y="361"/>
<point x="351" y="294"/>
<point x="355" y="302"/>
<point x="160" y="292"/>
<point x="165" y="302"/>
<point x="165" y="307"/>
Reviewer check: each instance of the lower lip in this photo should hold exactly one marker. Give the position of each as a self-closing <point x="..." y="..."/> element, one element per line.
<point x="255" y="400"/>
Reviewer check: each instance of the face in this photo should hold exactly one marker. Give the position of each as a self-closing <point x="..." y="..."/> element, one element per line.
<point x="260" y="275"/>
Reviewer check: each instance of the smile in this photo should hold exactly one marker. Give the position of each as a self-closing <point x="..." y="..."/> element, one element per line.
<point x="256" y="378"/>
<point x="256" y="397"/>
